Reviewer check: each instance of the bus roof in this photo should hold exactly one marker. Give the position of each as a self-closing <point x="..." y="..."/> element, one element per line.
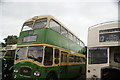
<point x="38" y="17"/>
<point x="51" y="17"/>
<point x="104" y="23"/>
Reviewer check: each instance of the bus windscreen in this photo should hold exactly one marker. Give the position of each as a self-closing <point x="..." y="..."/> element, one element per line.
<point x="97" y="56"/>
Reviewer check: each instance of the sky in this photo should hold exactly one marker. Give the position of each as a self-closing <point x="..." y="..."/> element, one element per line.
<point x="76" y="15"/>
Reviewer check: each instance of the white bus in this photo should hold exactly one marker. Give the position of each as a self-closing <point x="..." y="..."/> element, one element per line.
<point x="103" y="53"/>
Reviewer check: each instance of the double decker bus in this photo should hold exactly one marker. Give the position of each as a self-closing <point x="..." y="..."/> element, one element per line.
<point x="103" y="54"/>
<point x="8" y="61"/>
<point x="46" y="49"/>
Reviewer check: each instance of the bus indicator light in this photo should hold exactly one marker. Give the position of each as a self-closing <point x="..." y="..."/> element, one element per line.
<point x="46" y="69"/>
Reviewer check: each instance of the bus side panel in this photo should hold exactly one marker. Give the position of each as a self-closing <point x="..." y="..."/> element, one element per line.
<point x="40" y="33"/>
<point x="56" y="39"/>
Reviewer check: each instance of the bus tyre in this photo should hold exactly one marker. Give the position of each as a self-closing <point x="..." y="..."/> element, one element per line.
<point x="51" y="76"/>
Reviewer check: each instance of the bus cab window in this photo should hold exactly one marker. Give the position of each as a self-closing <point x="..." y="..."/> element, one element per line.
<point x="97" y="56"/>
<point x="48" y="58"/>
<point x="35" y="53"/>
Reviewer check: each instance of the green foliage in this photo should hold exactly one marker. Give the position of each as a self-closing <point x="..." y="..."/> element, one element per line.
<point x="3" y="44"/>
<point x="83" y="50"/>
<point x="10" y="40"/>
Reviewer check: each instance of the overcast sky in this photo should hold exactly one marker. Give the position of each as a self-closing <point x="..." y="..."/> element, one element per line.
<point x="76" y="15"/>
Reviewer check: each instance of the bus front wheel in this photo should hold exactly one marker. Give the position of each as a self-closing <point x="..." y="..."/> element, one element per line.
<point x="51" y="76"/>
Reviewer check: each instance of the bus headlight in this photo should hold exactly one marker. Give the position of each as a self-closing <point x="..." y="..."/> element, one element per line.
<point x="36" y="73"/>
<point x="15" y="70"/>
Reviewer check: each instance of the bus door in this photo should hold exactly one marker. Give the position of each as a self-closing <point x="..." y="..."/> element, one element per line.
<point x="64" y="63"/>
<point x="48" y="57"/>
<point x="113" y="71"/>
<point x="56" y="57"/>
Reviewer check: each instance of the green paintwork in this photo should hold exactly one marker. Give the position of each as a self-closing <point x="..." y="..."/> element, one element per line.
<point x="64" y="72"/>
<point x="48" y="36"/>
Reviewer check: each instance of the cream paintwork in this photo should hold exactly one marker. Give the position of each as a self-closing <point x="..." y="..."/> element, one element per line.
<point x="93" y="42"/>
<point x="54" y="47"/>
<point x="49" y="17"/>
<point x="93" y="35"/>
<point x="95" y="69"/>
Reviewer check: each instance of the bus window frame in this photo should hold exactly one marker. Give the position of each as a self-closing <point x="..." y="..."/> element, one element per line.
<point x="29" y="36"/>
<point x="46" y="64"/>
<point x="39" y="57"/>
<point x="71" y="58"/>
<point x="57" y="26"/>
<point x="64" y="57"/>
<point x="31" y="26"/>
<point x="39" y="19"/>
<point x="65" y="34"/>
<point x="58" y="58"/>
<point x="107" y="56"/>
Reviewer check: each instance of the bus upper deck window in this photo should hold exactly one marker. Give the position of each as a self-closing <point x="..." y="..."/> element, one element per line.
<point x="27" y="26"/>
<point x="55" y="26"/>
<point x="40" y="23"/>
<point x="64" y="32"/>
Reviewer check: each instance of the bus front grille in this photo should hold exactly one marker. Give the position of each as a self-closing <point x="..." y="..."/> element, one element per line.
<point x="25" y="71"/>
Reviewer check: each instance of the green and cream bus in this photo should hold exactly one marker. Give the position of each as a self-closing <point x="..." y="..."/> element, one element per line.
<point x="46" y="49"/>
<point x="8" y="61"/>
<point x="103" y="53"/>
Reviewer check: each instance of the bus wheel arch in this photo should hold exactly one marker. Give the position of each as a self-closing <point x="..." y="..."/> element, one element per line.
<point x="52" y="75"/>
<point x="110" y="73"/>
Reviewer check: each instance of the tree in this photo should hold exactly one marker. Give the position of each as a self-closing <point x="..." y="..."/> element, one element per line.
<point x="83" y="50"/>
<point x="11" y="40"/>
<point x="3" y="44"/>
